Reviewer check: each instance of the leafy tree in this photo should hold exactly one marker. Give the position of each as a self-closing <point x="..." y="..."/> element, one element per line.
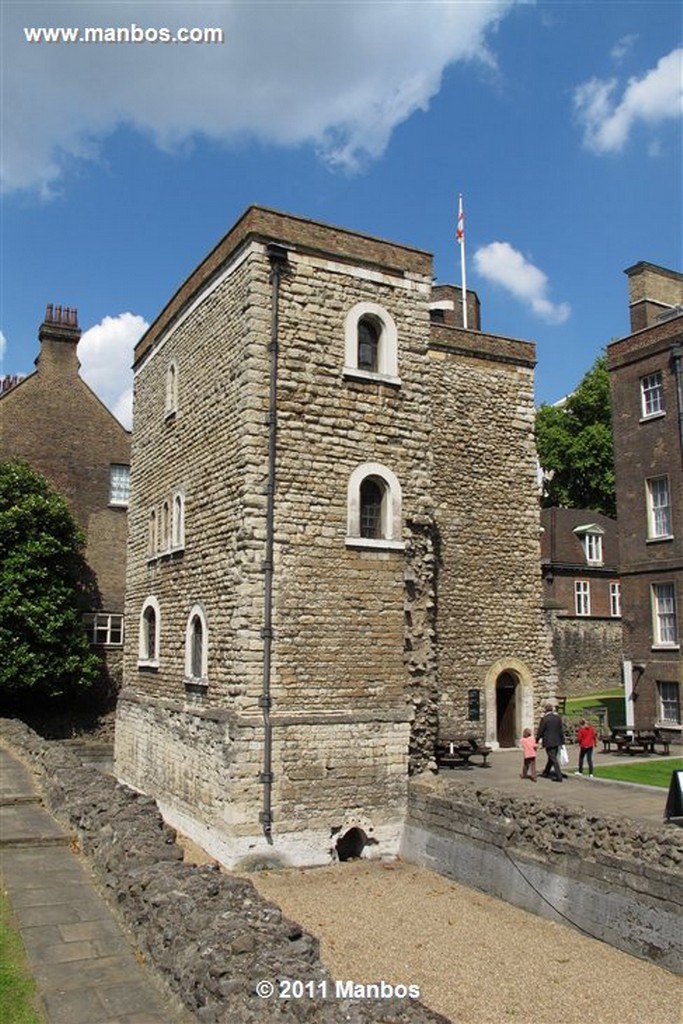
<point x="574" y="444"/>
<point x="44" y="589"/>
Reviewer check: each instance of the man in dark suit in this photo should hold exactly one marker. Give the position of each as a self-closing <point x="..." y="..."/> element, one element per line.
<point x="551" y="734"/>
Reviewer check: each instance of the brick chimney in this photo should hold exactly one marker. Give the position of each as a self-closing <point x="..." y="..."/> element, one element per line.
<point x="652" y="292"/>
<point x="59" y="335"/>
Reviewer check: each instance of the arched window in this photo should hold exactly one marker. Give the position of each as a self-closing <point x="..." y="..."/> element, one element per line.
<point x="148" y="646"/>
<point x="371" y="500"/>
<point x="374" y="508"/>
<point x="371" y="344"/>
<point x="152" y="533"/>
<point x="178" y="521"/>
<point x="165" y="538"/>
<point x="171" y="389"/>
<point x="369" y="332"/>
<point x="196" y="646"/>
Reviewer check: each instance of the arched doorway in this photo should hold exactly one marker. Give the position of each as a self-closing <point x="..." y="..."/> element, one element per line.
<point x="506" y="708"/>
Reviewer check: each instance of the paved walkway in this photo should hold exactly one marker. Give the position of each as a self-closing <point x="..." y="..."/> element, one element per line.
<point x="598" y="796"/>
<point x="84" y="966"/>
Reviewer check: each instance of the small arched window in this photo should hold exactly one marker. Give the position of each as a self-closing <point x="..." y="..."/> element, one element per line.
<point x="165" y="538"/>
<point x="152" y="533"/>
<point x="371" y="500"/>
<point x="369" y="332"/>
<point x="374" y="508"/>
<point x="171" y="389"/>
<point x="148" y="646"/>
<point x="178" y="521"/>
<point x="196" y="646"/>
<point x="371" y="344"/>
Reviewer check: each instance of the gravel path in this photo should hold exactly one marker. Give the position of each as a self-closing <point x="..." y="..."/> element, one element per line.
<point x="475" y="959"/>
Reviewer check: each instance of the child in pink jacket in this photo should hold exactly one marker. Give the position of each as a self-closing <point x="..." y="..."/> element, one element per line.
<point x="529" y="748"/>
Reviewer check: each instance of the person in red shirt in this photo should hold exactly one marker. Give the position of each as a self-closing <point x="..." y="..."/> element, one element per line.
<point x="586" y="737"/>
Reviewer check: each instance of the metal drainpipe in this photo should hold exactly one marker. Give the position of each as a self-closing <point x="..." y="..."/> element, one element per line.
<point x="677" y="362"/>
<point x="277" y="255"/>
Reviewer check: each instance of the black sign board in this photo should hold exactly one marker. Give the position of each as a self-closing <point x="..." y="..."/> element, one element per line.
<point x="473" y="705"/>
<point x="674" y="801"/>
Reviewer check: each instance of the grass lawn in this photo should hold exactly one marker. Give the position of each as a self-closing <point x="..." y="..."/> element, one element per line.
<point x="613" y="700"/>
<point x="17" y="991"/>
<point x="656" y="772"/>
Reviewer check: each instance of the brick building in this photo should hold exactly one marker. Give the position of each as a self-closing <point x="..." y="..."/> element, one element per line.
<point x="646" y="369"/>
<point x="582" y="597"/>
<point x="334" y="541"/>
<point x="53" y="421"/>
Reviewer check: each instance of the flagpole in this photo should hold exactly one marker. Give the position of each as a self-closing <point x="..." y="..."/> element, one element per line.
<point x="463" y="275"/>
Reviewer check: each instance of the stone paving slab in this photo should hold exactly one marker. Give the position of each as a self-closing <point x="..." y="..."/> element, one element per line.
<point x="84" y="965"/>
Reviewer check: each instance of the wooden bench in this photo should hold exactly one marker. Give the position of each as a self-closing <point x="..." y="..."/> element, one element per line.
<point x="451" y="751"/>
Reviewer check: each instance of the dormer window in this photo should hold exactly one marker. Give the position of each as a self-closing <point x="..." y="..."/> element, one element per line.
<point x="591" y="536"/>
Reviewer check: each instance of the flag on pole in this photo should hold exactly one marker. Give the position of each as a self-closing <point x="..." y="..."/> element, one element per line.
<point x="460" y="235"/>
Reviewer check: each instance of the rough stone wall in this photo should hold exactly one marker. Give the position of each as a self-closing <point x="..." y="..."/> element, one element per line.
<point x="488" y="525"/>
<point x="588" y="653"/>
<point x="339" y="611"/>
<point x="616" y="880"/>
<point x="214" y="451"/>
<point x="210" y="936"/>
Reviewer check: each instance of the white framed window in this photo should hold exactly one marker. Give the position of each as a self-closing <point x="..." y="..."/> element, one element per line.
<point x="658" y="508"/>
<point x="665" y="627"/>
<point x="119" y="485"/>
<point x="172" y="389"/>
<point x="104" y="629"/>
<point x="615" y="600"/>
<point x="196" y="646"/>
<point x="582" y="597"/>
<point x="371" y="344"/>
<point x="374" y="508"/>
<point x="152" y="534"/>
<point x="149" y="634"/>
<point x="178" y="521"/>
<point x="592" y="545"/>
<point x="165" y="526"/>
<point x="669" y="703"/>
<point x="590" y="535"/>
<point x="651" y="395"/>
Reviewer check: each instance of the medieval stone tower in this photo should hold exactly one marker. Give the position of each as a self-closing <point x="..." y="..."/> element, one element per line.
<point x="334" y="541"/>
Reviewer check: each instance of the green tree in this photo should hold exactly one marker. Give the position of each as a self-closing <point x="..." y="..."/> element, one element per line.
<point x="45" y="586"/>
<point x="574" y="444"/>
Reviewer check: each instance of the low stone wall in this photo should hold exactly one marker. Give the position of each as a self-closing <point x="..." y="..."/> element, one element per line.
<point x="210" y="936"/>
<point x="613" y="879"/>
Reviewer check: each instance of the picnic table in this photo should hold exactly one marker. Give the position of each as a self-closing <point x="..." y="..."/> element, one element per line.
<point x="635" y="741"/>
<point x="453" y="751"/>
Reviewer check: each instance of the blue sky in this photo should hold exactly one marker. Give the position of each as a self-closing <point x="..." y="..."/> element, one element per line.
<point x="123" y="164"/>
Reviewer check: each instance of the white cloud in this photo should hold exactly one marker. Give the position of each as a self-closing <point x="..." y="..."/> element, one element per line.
<point x="505" y="266"/>
<point x="339" y="77"/>
<point x="607" y="122"/>
<point x="3" y="346"/>
<point x="106" y="355"/>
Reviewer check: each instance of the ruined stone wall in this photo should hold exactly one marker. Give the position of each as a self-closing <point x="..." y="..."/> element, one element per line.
<point x="616" y="880"/>
<point x="588" y="653"/>
<point x="488" y="527"/>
